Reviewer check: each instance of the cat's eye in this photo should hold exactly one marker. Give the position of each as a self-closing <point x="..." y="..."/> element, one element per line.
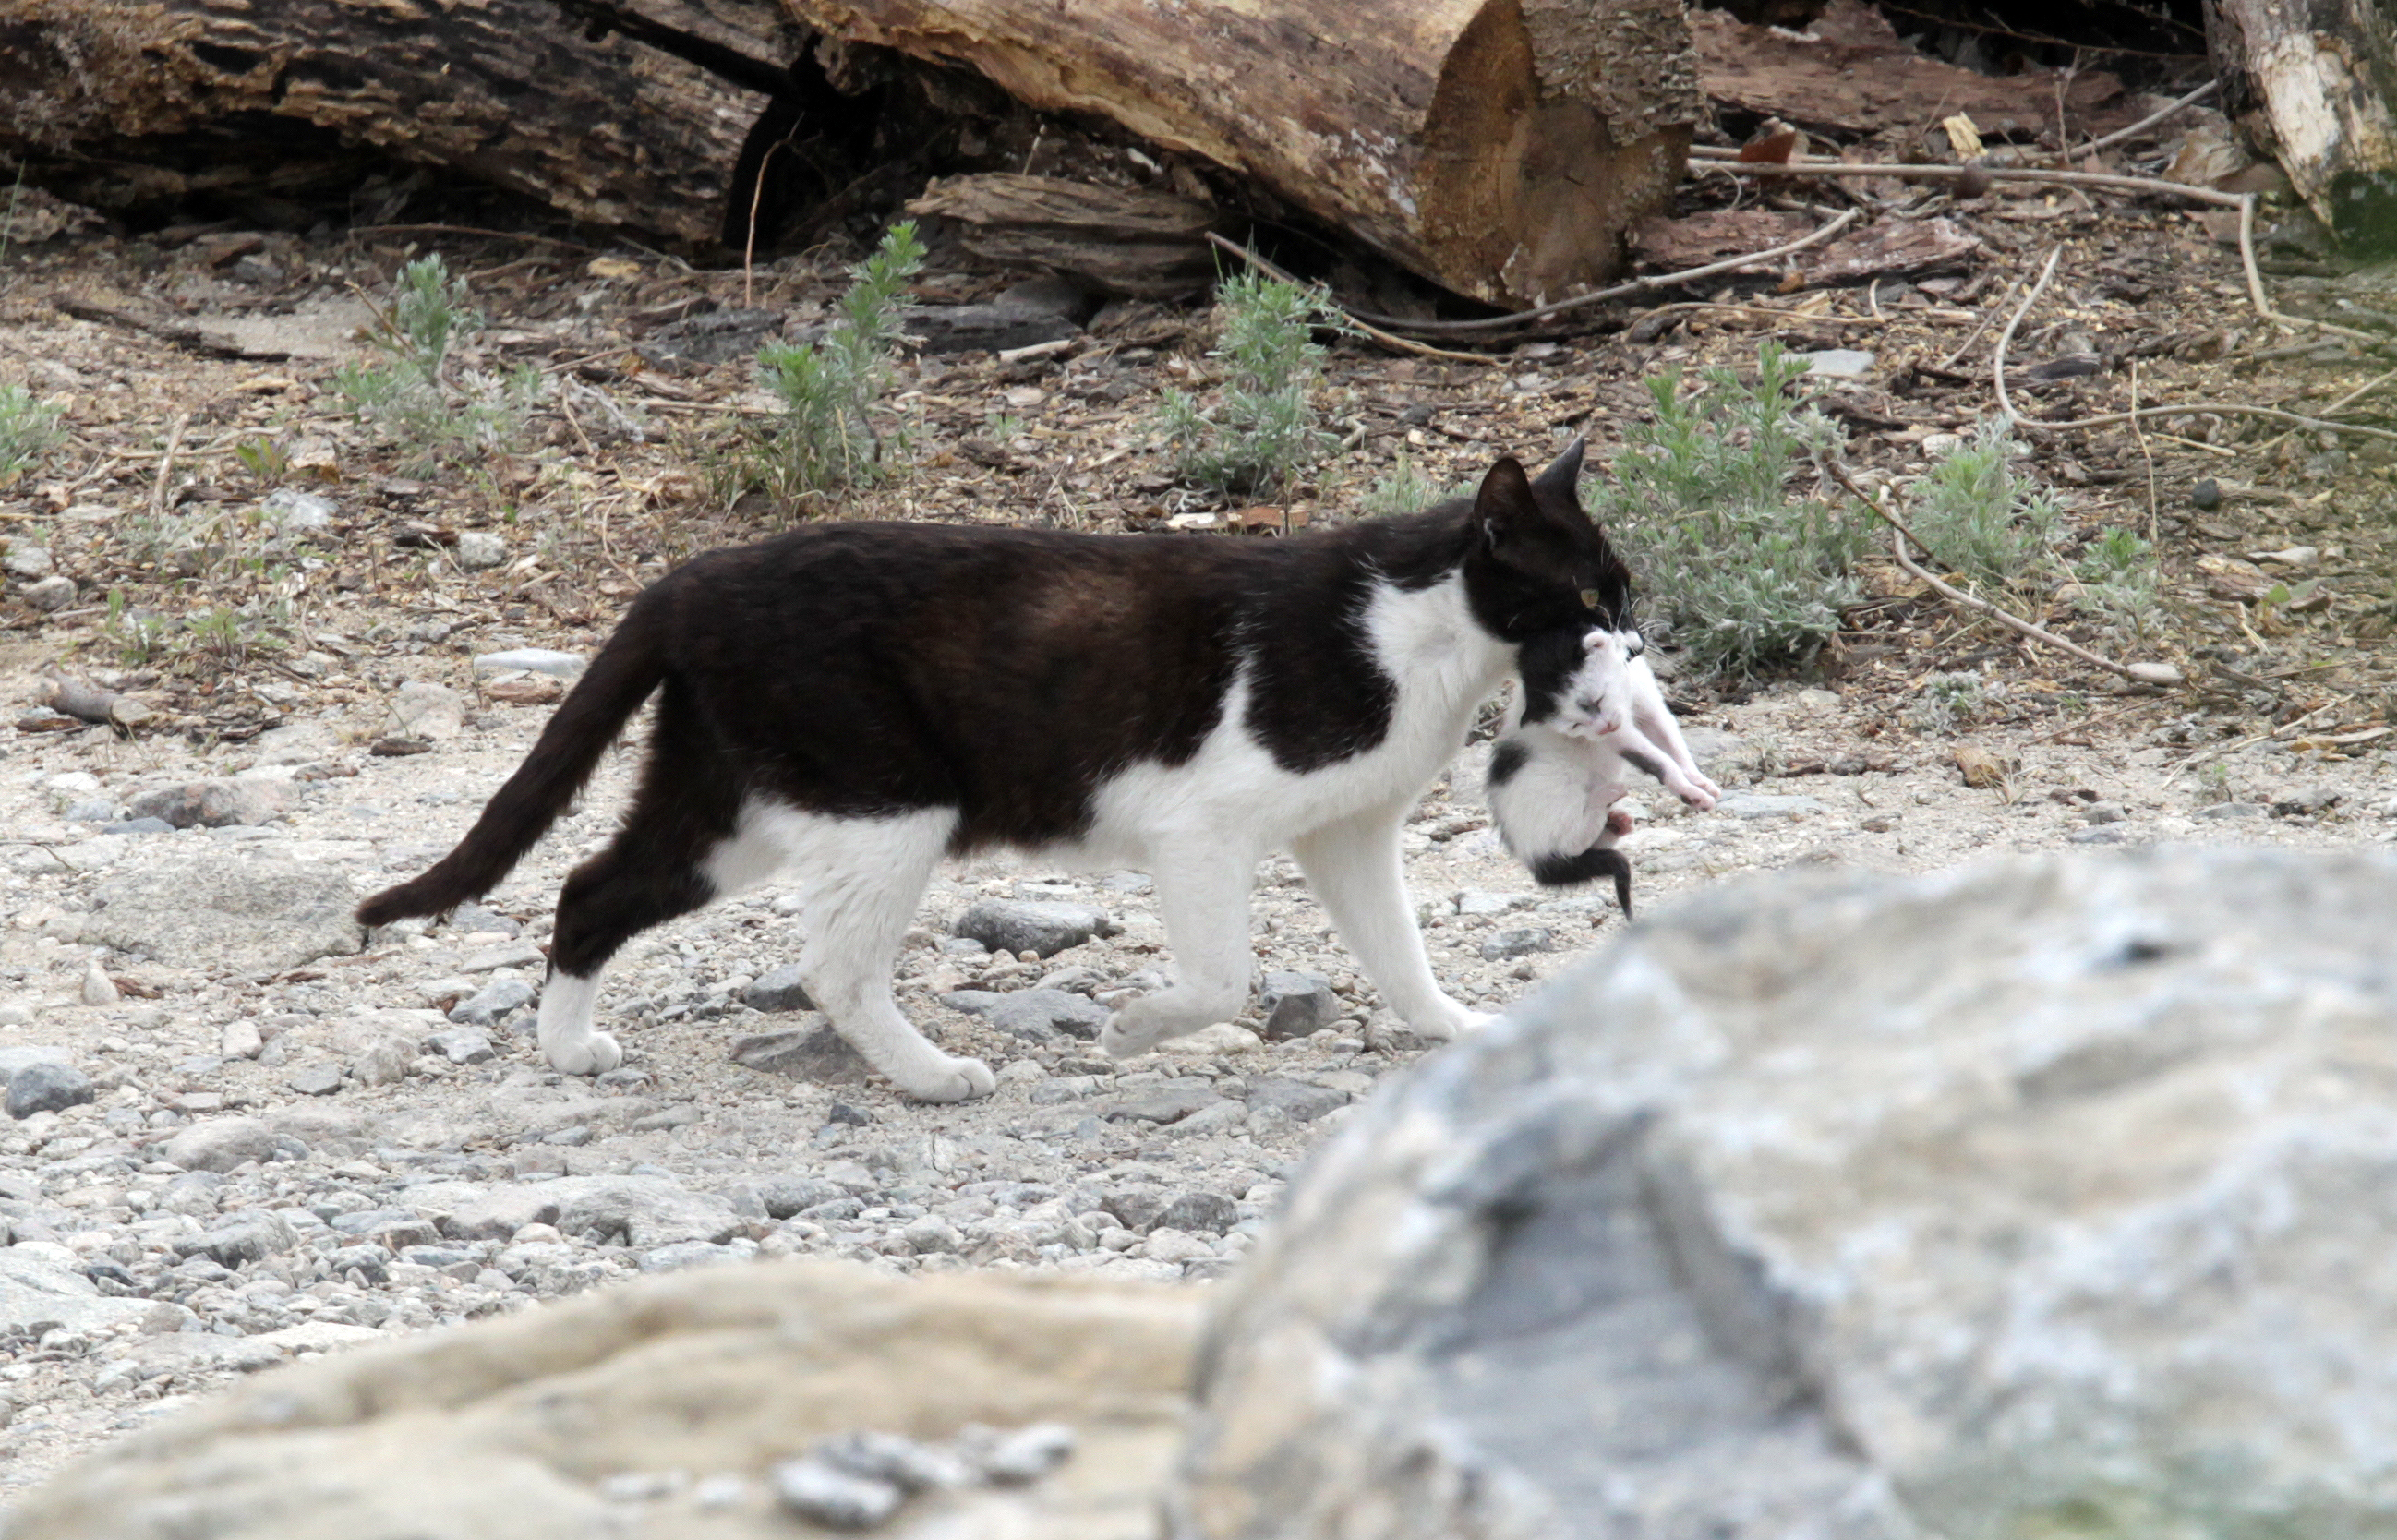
<point x="1590" y="598"/>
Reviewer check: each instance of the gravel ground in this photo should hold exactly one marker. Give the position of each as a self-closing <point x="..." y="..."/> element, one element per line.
<point x="279" y="1160"/>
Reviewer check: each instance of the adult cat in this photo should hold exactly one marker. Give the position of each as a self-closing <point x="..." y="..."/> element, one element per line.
<point x="853" y="701"/>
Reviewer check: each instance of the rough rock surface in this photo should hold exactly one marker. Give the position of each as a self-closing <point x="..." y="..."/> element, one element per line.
<point x="578" y="1420"/>
<point x="255" y="915"/>
<point x="1042" y="927"/>
<point x="2050" y="1196"/>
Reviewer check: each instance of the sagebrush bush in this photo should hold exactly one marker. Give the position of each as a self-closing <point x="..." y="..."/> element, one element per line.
<point x="440" y="415"/>
<point x="824" y="439"/>
<point x="29" y="431"/>
<point x="1736" y="573"/>
<point x="1260" y="434"/>
<point x="1993" y="528"/>
<point x="2120" y="582"/>
<point x="1406" y="489"/>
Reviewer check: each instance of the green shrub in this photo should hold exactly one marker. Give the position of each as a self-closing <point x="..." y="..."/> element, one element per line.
<point x="1406" y="489"/>
<point x="1980" y="518"/>
<point x="823" y="437"/>
<point x="2120" y="582"/>
<point x="440" y="415"/>
<point x="1947" y="702"/>
<point x="1260" y="434"/>
<point x="1741" y="577"/>
<point x="29" y="431"/>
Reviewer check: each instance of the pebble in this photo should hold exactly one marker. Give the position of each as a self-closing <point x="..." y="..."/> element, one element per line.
<point x="1755" y="805"/>
<point x="1517" y="943"/>
<point x="479" y="550"/>
<point x="461" y="1046"/>
<point x="494" y="1001"/>
<point x="2234" y="809"/>
<point x="779" y="989"/>
<point x="1297" y="1004"/>
<point x="240" y="1040"/>
<point x="1014" y="925"/>
<point x="533" y="660"/>
<point x="1839" y="363"/>
<point x="1044" y="1015"/>
<point x="52" y="593"/>
<point x="47" y="1087"/>
<point x="824" y="1493"/>
<point x="1028" y="1454"/>
<point x="316" y="1080"/>
<point x="98" y="987"/>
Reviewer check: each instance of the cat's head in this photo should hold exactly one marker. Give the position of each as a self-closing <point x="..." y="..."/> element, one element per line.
<point x="1539" y="563"/>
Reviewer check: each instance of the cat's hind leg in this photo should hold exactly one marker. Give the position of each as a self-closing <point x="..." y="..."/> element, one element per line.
<point x="1202" y="895"/>
<point x="1356" y="869"/>
<point x="864" y="877"/>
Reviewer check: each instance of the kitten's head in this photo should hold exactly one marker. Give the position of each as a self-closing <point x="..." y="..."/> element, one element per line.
<point x="1539" y="563"/>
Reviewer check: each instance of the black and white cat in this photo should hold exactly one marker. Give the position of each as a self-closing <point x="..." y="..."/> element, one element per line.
<point x="1590" y="708"/>
<point x="851" y="702"/>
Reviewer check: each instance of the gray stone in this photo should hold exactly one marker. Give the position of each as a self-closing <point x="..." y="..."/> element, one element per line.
<point x="500" y="1212"/>
<point x="1015" y="926"/>
<point x="228" y="914"/>
<point x="1296" y="1100"/>
<point x="680" y="1116"/>
<point x="383" y="1057"/>
<point x="289" y="509"/>
<point x="824" y="1493"/>
<point x="46" y="1088"/>
<point x="491" y="1002"/>
<point x="216" y="804"/>
<point x="2307" y="803"/>
<point x="778" y="989"/>
<point x="972" y="1002"/>
<point x="1028" y="1453"/>
<point x="26" y="559"/>
<point x="423" y="709"/>
<point x="514" y="953"/>
<point x="533" y="660"/>
<point x="15" y="1059"/>
<point x="253" y="1235"/>
<point x="644" y="1212"/>
<point x="1166" y="1103"/>
<point x="1475" y="901"/>
<point x="220" y="1145"/>
<point x="2234" y="809"/>
<point x="41" y="1288"/>
<point x="1753" y="805"/>
<point x="1858" y="1208"/>
<point x="52" y="593"/>
<point x="783" y="1195"/>
<point x="1839" y="363"/>
<point x="480" y="550"/>
<point x="1296" y="1004"/>
<point x="1200" y="1213"/>
<point x="1045" y="1015"/>
<point x="461" y="1045"/>
<point x="1517" y="943"/>
<point x="2097" y="834"/>
<point x="320" y="1079"/>
<point x="815" y="1054"/>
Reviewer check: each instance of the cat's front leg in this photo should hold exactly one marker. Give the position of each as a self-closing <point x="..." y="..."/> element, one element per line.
<point x="1654" y="720"/>
<point x="1202" y="895"/>
<point x="566" y="1035"/>
<point x="1358" y="873"/>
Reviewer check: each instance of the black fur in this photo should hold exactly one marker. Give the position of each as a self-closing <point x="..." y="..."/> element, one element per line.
<point x="1564" y="870"/>
<point x="1506" y="760"/>
<point x="869" y="669"/>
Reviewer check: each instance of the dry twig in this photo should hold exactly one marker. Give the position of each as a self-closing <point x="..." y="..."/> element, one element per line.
<point x="1997" y="363"/>
<point x="167" y="463"/>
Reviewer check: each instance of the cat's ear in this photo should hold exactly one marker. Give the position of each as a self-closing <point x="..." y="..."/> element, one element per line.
<point x="1563" y="473"/>
<point x="1505" y="505"/>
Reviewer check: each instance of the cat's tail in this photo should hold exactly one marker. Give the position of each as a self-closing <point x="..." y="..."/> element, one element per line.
<point x="620" y="678"/>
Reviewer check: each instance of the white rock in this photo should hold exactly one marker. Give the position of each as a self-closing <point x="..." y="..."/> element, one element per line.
<point x="1224" y="1038"/>
<point x="480" y="550"/>
<point x="98" y="987"/>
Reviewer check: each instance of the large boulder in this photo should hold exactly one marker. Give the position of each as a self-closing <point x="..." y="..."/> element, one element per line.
<point x="510" y="1429"/>
<point x="228" y="915"/>
<point x="2054" y="1196"/>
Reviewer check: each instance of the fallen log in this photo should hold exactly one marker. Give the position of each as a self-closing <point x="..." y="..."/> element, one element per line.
<point x="551" y="100"/>
<point x="2314" y="84"/>
<point x="1500" y="148"/>
<point x="1130" y="241"/>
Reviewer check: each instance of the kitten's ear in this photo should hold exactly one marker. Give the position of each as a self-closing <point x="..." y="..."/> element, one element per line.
<point x="1506" y="503"/>
<point x="1564" y="473"/>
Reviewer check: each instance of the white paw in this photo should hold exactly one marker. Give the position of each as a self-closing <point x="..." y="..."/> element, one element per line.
<point x="1120" y="1040"/>
<point x="596" y="1054"/>
<point x="953" y="1080"/>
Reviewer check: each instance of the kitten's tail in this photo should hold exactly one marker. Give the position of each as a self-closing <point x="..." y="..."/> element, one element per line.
<point x="619" y="679"/>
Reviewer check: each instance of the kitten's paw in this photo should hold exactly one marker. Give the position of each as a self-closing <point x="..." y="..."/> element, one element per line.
<point x="1123" y="1039"/>
<point x="595" y="1054"/>
<point x="953" y="1080"/>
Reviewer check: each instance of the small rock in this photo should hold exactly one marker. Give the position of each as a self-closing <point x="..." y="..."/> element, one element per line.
<point x="220" y="1145"/>
<point x="1981" y="770"/>
<point x="2307" y="803"/>
<point x="52" y="593"/>
<point x="1839" y="363"/>
<point x="1028" y="1453"/>
<point x="479" y="550"/>
<point x="822" y="1494"/>
<point x="251" y="1236"/>
<point x="424" y="710"/>
<point x="533" y="660"/>
<point x="1219" y="1040"/>
<point x="1167" y="1103"/>
<point x="2206" y="496"/>
<point x="1474" y="901"/>
<point x="98" y="987"/>
<point x="495" y="999"/>
<point x="1880" y="823"/>
<point x="317" y="1080"/>
<point x="289" y="509"/>
<point x="1298" y="1100"/>
<point x="26" y="559"/>
<point x="2155" y="673"/>
<point x="931" y="1233"/>
<point x="215" y="803"/>
<point x="1517" y="943"/>
<point x="2105" y="812"/>
<point x="668" y="1117"/>
<point x="46" y="1088"/>
<point x="1042" y="1015"/>
<point x="1165" y="1245"/>
<point x="780" y="989"/>
<point x="515" y="953"/>
<point x="908" y="1464"/>
<point x="384" y="1060"/>
<point x="1296" y="1004"/>
<point x="2097" y="834"/>
<point x="240" y="1040"/>
<point x="784" y="1195"/>
<point x="461" y="1046"/>
<point x="2234" y="809"/>
<point x="815" y="1054"/>
<point x="1015" y="926"/>
<point x="1200" y="1213"/>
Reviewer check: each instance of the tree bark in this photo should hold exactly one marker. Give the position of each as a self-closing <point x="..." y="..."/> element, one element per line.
<point x="1500" y="148"/>
<point x="535" y="96"/>
<point x="2314" y="84"/>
